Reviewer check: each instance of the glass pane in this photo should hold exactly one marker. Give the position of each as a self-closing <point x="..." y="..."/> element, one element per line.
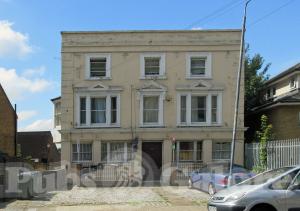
<point x="151" y="109"/>
<point x="98" y="110"/>
<point x="198" y="109"/>
<point x="214" y="109"/>
<point x="82" y="110"/>
<point x="104" y="152"/>
<point x="113" y="117"/>
<point x="98" y="67"/>
<point x="117" y="151"/>
<point x="183" y="109"/>
<point x="152" y="66"/>
<point x="185" y="155"/>
<point x="198" y="66"/>
<point x="186" y="145"/>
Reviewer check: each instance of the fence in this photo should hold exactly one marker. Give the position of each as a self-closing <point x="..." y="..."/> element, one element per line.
<point x="184" y="169"/>
<point x="279" y="153"/>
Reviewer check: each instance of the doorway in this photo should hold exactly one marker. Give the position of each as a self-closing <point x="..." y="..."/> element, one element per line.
<point x="151" y="160"/>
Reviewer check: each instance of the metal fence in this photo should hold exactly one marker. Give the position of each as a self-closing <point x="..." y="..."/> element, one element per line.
<point x="279" y="153"/>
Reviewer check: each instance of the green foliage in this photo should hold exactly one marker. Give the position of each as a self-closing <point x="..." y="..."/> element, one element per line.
<point x="255" y="76"/>
<point x="263" y="136"/>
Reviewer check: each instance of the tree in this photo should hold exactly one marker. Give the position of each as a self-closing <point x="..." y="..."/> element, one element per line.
<point x="255" y="76"/>
<point x="263" y="136"/>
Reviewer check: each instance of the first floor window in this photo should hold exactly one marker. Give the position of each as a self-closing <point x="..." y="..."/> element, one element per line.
<point x="99" y="110"/>
<point x="81" y="152"/>
<point x="116" y="151"/>
<point x="189" y="151"/>
<point x="150" y="109"/>
<point x="199" y="109"/>
<point x="221" y="150"/>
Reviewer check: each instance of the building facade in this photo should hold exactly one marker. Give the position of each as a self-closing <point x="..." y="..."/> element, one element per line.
<point x="281" y="103"/>
<point x="7" y="125"/>
<point x="153" y="98"/>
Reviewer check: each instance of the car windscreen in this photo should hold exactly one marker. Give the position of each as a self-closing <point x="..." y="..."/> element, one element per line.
<point x="264" y="177"/>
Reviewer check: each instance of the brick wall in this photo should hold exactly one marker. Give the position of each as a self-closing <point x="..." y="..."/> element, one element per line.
<point x="7" y="125"/>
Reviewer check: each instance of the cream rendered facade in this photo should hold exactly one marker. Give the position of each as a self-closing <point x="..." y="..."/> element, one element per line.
<point x="124" y="54"/>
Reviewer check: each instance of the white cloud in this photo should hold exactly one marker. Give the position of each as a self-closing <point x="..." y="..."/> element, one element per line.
<point x="13" y="43"/>
<point x="39" y="71"/>
<point x="24" y="115"/>
<point x="17" y="86"/>
<point x="196" y="28"/>
<point x="39" y="125"/>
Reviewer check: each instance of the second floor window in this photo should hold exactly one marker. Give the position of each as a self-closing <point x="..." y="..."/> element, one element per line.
<point x="98" y="66"/>
<point x="198" y="65"/>
<point x="99" y="111"/>
<point x="151" y="109"/>
<point x="152" y="65"/>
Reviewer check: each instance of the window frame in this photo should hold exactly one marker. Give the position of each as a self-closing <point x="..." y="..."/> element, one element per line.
<point x="293" y="82"/>
<point x="88" y="97"/>
<point x="88" y="57"/>
<point x="126" y="156"/>
<point x="162" y="68"/>
<point x="208" y="121"/>
<point x="194" y="150"/>
<point x="78" y="145"/>
<point x="160" y="96"/>
<point x="222" y="150"/>
<point x="57" y="114"/>
<point x="208" y="65"/>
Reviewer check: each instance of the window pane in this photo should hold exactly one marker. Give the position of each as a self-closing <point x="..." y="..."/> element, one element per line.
<point x="152" y="65"/>
<point x="113" y="117"/>
<point x="199" y="150"/>
<point x="186" y="151"/>
<point x="198" y="66"/>
<point x="151" y="109"/>
<point x="98" y="67"/>
<point x="82" y="110"/>
<point x="214" y="109"/>
<point x="104" y="152"/>
<point x="198" y="109"/>
<point x="117" y="151"/>
<point x="183" y="109"/>
<point x="98" y="110"/>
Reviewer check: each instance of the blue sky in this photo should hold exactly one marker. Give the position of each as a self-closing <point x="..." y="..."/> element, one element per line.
<point x="30" y="37"/>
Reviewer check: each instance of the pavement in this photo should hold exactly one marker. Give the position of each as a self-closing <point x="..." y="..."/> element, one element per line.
<point x="120" y="198"/>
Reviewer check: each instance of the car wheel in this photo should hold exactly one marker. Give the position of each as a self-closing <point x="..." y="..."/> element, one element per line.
<point x="211" y="189"/>
<point x="190" y="184"/>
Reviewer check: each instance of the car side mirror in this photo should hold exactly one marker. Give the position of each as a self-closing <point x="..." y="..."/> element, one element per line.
<point x="294" y="187"/>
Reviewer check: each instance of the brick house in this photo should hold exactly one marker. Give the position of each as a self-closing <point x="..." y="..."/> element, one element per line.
<point x="7" y="125"/>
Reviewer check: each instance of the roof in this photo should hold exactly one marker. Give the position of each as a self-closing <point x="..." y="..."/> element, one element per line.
<point x="54" y="99"/>
<point x="35" y="145"/>
<point x="290" y="70"/>
<point x="5" y="96"/>
<point x="151" y="31"/>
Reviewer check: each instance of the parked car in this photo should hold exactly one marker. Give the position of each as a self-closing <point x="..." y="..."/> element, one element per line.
<point x="273" y="190"/>
<point x="214" y="177"/>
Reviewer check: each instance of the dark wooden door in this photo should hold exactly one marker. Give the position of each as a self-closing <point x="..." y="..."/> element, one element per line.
<point x="151" y="160"/>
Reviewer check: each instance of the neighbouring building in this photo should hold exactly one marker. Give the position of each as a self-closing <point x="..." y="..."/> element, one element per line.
<point x="37" y="146"/>
<point x="7" y="125"/>
<point x="56" y="122"/>
<point x="281" y="103"/>
<point x="128" y="96"/>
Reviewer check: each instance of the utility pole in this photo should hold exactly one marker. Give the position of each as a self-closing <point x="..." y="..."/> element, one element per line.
<point x="237" y="97"/>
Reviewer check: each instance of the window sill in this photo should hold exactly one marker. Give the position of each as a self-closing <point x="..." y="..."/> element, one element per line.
<point x="153" y="77"/>
<point x="98" y="78"/>
<point x="96" y="126"/>
<point x="152" y="126"/>
<point x="198" y="77"/>
<point x="199" y="125"/>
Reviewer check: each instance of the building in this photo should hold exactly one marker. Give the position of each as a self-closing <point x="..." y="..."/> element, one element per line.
<point x="7" y="125"/>
<point x="127" y="96"/>
<point x="56" y="122"/>
<point x="37" y="146"/>
<point x="281" y="103"/>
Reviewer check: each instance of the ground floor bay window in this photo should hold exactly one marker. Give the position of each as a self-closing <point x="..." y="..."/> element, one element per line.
<point x="116" y="152"/>
<point x="188" y="151"/>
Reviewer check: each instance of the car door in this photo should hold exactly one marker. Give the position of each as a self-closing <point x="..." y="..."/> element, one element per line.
<point x="293" y="195"/>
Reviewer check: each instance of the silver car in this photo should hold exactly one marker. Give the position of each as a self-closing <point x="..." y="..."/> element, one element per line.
<point x="273" y="190"/>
